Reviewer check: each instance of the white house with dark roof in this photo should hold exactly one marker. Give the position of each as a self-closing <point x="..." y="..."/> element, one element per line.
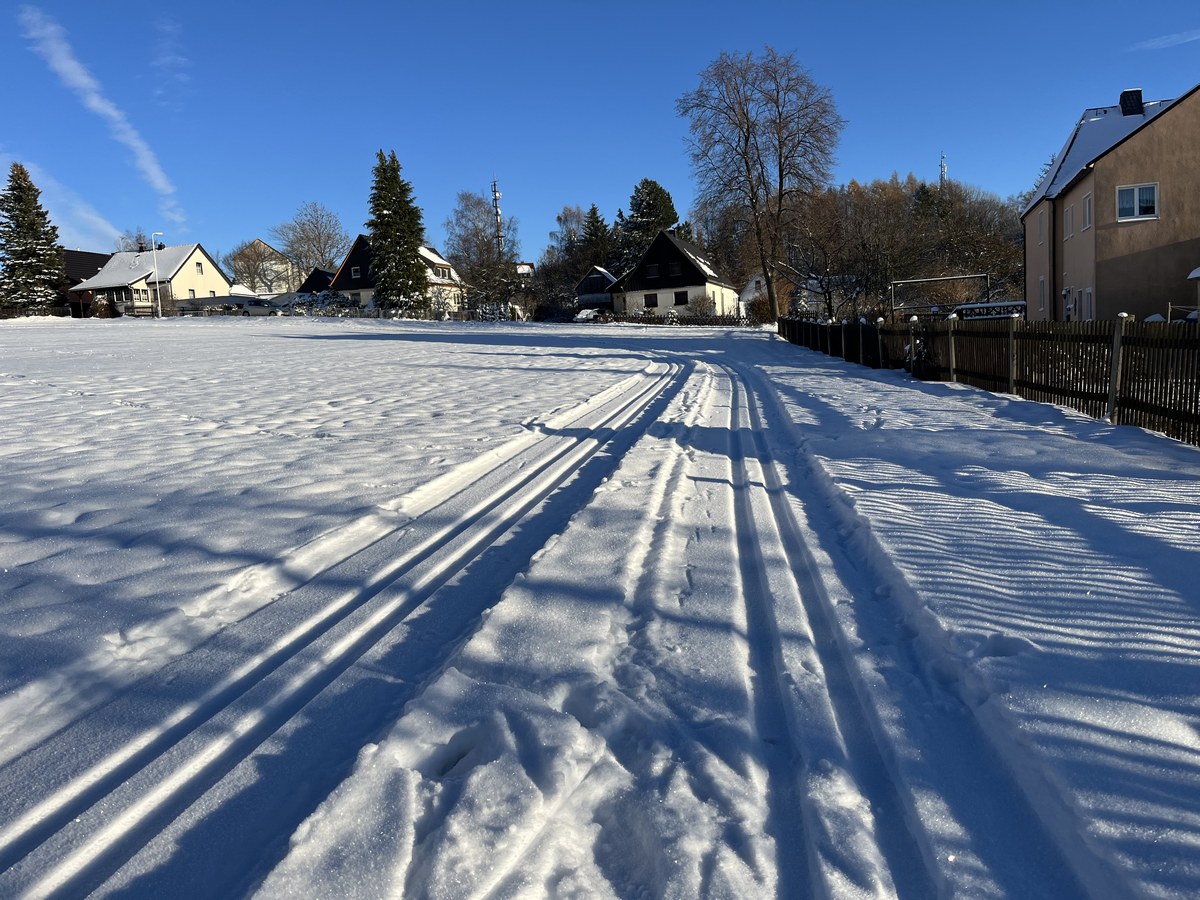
<point x="673" y="275"/>
<point x="354" y="280"/>
<point x="131" y="280"/>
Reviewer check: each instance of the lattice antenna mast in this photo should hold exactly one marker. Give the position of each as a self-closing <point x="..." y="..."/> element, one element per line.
<point x="942" y="172"/>
<point x="499" y="219"/>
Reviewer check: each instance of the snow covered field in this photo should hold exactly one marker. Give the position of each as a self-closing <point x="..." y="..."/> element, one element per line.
<point x="359" y="609"/>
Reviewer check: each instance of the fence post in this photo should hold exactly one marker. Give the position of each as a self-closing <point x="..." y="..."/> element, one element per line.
<point x="1114" y="373"/>
<point x="879" y="339"/>
<point x="1012" y="353"/>
<point x="912" y="346"/>
<point x="952" y="320"/>
<point x="861" y="354"/>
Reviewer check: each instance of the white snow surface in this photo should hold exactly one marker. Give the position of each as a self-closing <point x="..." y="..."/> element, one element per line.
<point x="344" y="608"/>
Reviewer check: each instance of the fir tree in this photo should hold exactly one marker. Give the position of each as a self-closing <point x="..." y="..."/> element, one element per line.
<point x="651" y="210"/>
<point x="597" y="238"/>
<point x="397" y="234"/>
<point x="31" y="263"/>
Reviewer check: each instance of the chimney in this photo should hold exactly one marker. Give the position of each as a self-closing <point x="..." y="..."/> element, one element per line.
<point x="1131" y="102"/>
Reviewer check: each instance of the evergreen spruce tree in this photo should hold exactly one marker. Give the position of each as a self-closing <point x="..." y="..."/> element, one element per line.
<point x="597" y="239"/>
<point x="651" y="210"/>
<point x="397" y="234"/>
<point x="31" y="263"/>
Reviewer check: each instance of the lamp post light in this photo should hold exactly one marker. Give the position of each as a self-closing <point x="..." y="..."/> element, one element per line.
<point x="157" y="286"/>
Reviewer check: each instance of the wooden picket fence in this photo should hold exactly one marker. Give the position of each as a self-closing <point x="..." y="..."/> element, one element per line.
<point x="1126" y="372"/>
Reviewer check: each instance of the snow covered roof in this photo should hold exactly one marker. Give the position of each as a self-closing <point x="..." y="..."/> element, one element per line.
<point x="130" y="266"/>
<point x="435" y="260"/>
<point x="1099" y="130"/>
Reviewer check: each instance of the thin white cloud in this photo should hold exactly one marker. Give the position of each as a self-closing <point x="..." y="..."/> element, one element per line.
<point x="50" y="42"/>
<point x="80" y="226"/>
<point x="1168" y="40"/>
<point x="173" y="68"/>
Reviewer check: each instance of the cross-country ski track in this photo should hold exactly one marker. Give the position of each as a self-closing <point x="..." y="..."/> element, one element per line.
<point x="660" y="642"/>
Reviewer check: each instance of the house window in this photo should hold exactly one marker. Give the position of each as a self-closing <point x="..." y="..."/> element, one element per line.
<point x="652" y="270"/>
<point x="199" y="268"/>
<point x="675" y="268"/>
<point x="191" y="294"/>
<point x="212" y="293"/>
<point x="354" y="272"/>
<point x="681" y="298"/>
<point x="1137" y="201"/>
<point x="1068" y="223"/>
<point x="1089" y="305"/>
<point x="1042" y="293"/>
<point x="1087" y="212"/>
<point x="1041" y="226"/>
<point x="651" y="301"/>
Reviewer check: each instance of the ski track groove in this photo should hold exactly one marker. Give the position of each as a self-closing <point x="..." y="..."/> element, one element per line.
<point x="88" y="859"/>
<point x="862" y="707"/>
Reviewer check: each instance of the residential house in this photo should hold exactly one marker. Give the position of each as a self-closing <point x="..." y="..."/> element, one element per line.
<point x="1114" y="226"/>
<point x="318" y="280"/>
<point x="264" y="269"/>
<point x="133" y="280"/>
<point x="353" y="278"/>
<point x="592" y="290"/>
<point x="79" y="265"/>
<point x="673" y="275"/>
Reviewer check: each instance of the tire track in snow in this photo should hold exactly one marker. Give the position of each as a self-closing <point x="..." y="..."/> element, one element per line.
<point x="106" y="810"/>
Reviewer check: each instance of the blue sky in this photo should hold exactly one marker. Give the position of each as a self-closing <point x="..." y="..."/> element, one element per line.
<point x="214" y="122"/>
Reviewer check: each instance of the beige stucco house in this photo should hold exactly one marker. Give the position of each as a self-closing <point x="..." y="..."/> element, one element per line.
<point x="1114" y="226"/>
<point x="129" y="279"/>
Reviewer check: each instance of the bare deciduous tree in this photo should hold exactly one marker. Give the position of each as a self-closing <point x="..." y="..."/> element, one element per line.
<point x="260" y="267"/>
<point x="488" y="266"/>
<point x="314" y="239"/>
<point x="132" y="239"/>
<point x="762" y="131"/>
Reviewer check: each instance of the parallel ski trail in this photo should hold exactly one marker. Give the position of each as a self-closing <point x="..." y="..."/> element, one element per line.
<point x="70" y="840"/>
<point x="960" y="848"/>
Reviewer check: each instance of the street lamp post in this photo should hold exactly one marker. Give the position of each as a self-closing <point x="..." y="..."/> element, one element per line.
<point x="157" y="286"/>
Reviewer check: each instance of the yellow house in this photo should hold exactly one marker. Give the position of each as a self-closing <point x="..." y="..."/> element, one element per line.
<point x="138" y="281"/>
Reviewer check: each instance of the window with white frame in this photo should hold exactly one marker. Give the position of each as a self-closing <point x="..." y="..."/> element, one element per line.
<point x="199" y="268"/>
<point x="191" y="293"/>
<point x="1137" y="201"/>
<point x="354" y="271"/>
<point x="1087" y="211"/>
<point x="1089" y="305"/>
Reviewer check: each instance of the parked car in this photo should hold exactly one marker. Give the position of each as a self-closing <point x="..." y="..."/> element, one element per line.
<point x="252" y="306"/>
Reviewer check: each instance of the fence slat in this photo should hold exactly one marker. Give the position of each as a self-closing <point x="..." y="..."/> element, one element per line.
<point x="1135" y="373"/>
